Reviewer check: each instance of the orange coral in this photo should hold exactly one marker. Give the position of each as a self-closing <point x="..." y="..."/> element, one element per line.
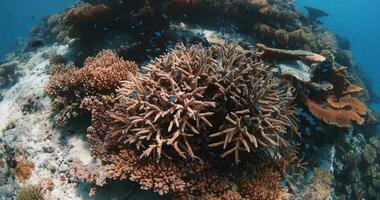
<point x="23" y="169"/>
<point x="79" y="21"/>
<point x="105" y="71"/>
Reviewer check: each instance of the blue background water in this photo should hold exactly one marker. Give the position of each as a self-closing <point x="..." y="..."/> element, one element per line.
<point x="17" y="17"/>
<point x="359" y="21"/>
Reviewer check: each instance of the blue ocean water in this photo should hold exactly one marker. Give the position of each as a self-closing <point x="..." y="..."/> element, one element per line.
<point x="17" y="17"/>
<point x="358" y="21"/>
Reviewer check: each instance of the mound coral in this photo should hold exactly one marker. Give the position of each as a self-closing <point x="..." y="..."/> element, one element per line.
<point x="70" y="87"/>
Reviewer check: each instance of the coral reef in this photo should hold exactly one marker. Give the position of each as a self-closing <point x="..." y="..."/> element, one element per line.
<point x="70" y="87"/>
<point x="195" y="102"/>
<point x="162" y="109"/>
<point x="215" y="120"/>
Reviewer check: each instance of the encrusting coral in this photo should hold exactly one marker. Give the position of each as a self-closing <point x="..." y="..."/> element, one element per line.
<point x="71" y="88"/>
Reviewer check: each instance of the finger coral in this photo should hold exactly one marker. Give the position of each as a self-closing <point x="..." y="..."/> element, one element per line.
<point x="68" y="86"/>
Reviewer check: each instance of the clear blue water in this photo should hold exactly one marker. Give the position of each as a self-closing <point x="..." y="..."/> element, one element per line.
<point x="17" y="17"/>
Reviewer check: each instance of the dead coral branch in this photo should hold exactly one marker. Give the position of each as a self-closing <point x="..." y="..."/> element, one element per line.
<point x="273" y="53"/>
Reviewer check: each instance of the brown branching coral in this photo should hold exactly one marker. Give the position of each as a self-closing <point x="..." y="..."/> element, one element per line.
<point x="258" y="187"/>
<point x="166" y="106"/>
<point x="69" y="86"/>
<point x="175" y="102"/>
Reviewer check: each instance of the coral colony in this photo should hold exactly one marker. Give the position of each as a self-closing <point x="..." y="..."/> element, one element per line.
<point x="205" y="99"/>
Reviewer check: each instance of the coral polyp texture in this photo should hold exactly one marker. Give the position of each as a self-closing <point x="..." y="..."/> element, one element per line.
<point x="71" y="88"/>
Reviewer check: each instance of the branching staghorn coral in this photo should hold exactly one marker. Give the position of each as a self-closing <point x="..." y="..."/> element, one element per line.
<point x="167" y="126"/>
<point x="194" y="93"/>
<point x="69" y="86"/>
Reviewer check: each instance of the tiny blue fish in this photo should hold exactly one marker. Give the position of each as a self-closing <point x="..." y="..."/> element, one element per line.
<point x="158" y="34"/>
<point x="133" y="94"/>
<point x="257" y="106"/>
<point x="171" y="99"/>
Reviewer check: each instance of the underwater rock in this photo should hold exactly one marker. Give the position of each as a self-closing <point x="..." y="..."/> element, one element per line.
<point x="8" y="73"/>
<point x="35" y="42"/>
<point x="296" y="68"/>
